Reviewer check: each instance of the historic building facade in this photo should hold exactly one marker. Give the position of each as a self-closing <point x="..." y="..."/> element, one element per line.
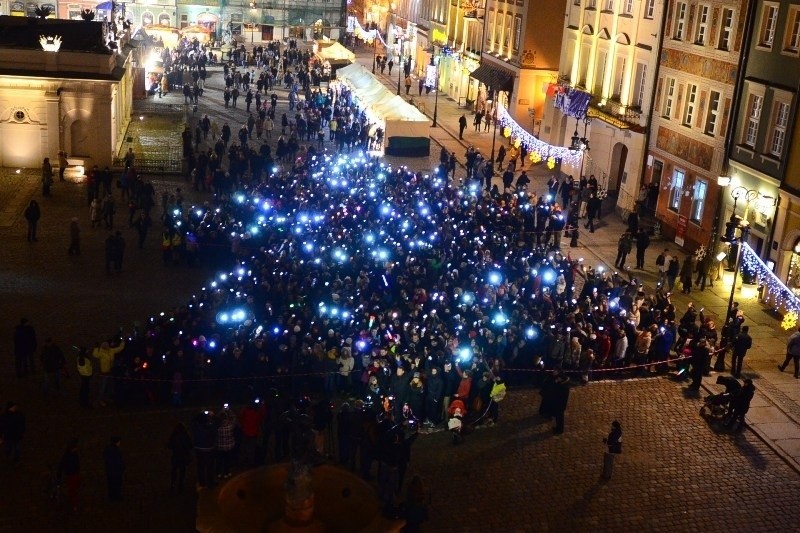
<point x="520" y="55"/>
<point x="691" y="120"/>
<point x="75" y="97"/>
<point x="610" y="50"/>
<point x="764" y="148"/>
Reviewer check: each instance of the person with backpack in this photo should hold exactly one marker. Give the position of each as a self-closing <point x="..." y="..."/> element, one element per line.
<point x="623" y="249"/>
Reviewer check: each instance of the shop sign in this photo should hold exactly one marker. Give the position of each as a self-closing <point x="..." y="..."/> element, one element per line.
<point x="680" y="232"/>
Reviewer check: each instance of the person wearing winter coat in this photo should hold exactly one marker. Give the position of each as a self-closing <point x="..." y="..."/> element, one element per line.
<point x="740" y="404"/>
<point x="560" y="399"/>
<point x="416" y="397"/>
<point x="225" y="443"/>
<point x="94" y="213"/>
<point x="105" y="355"/>
<point x="74" y="237"/>
<point x="69" y="469"/>
<point x="203" y="439"/>
<point x="115" y="468"/>
<point x="433" y="399"/>
<point x="12" y="429"/>
<point x="32" y="215"/>
<point x="180" y="447"/>
<point x="450" y="382"/>
<point x="686" y="272"/>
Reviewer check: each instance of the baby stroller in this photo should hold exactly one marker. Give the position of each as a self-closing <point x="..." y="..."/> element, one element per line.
<point x="455" y="424"/>
<point x="716" y="405"/>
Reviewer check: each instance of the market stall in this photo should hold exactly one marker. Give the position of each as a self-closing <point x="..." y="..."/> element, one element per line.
<point x="166" y="36"/>
<point x="406" y="129"/>
<point x="336" y="54"/>
<point x="196" y="31"/>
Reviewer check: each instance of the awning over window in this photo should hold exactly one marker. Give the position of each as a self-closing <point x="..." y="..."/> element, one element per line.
<point x="494" y="78"/>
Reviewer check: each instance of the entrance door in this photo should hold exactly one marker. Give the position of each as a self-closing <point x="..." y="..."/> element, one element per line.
<point x="618" y="157"/>
<point x="79" y="136"/>
<point x="266" y="33"/>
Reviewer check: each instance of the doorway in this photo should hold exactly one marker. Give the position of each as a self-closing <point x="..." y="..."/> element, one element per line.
<point x="79" y="136"/>
<point x="618" y="157"/>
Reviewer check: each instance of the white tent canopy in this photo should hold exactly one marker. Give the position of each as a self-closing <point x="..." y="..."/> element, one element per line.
<point x="336" y="53"/>
<point x="407" y="130"/>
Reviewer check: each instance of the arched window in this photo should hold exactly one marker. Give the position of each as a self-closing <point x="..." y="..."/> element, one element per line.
<point x="147" y="19"/>
<point x="164" y="19"/>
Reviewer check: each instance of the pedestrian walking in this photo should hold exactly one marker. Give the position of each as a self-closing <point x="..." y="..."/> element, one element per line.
<point x="740" y="405"/>
<point x="32" y="215"/>
<point x="703" y="268"/>
<point x="47" y="176"/>
<point x="69" y="470"/>
<point x="203" y="437"/>
<point x="118" y="251"/>
<point x="672" y="272"/>
<point x="74" y="237"/>
<point x="662" y="262"/>
<point x="451" y="165"/>
<point x="94" y="213"/>
<point x="62" y="164"/>
<point x="25" y="346"/>
<point x="408" y="84"/>
<point x="115" y="468"/>
<point x="642" y="243"/>
<point x="687" y="270"/>
<point x="560" y="401"/>
<point x="52" y="365"/>
<point x="180" y="445"/>
<point x="741" y="343"/>
<point x="462" y="125"/>
<point x="390" y="64"/>
<point x="107" y="209"/>
<point x="792" y="354"/>
<point x="623" y="249"/>
<point x="699" y="361"/>
<point x="613" y="444"/>
<point x="12" y="430"/>
<point x="85" y="371"/>
<point x="477" y="121"/>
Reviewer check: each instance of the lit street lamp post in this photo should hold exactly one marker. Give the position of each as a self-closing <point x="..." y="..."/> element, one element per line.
<point x="374" y="49"/>
<point x="435" y="96"/>
<point x="399" y="66"/>
<point x="494" y="119"/>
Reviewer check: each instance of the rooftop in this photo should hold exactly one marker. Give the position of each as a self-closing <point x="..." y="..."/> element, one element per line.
<point x="76" y="35"/>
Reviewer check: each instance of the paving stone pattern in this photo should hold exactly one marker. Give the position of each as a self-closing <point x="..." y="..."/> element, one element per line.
<point x="677" y="473"/>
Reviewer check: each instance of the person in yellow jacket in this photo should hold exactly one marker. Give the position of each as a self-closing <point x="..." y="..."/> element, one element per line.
<point x="105" y="354"/>
<point x="85" y="371"/>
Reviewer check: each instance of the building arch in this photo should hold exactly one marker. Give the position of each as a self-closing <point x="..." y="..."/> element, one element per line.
<point x="77" y="132"/>
<point x="619" y="156"/>
<point x="604" y="34"/>
<point x="622" y="38"/>
<point x="587" y="30"/>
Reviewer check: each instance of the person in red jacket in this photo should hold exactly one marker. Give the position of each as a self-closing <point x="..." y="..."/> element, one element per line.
<point x="250" y="419"/>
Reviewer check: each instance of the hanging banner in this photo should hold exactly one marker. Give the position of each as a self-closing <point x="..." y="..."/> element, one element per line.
<point x="572" y="102"/>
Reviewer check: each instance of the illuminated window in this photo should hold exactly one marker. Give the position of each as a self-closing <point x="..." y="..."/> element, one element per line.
<point x="769" y="20"/>
<point x="792" y="39"/>
<point x="680" y="21"/>
<point x="699" y="200"/>
<point x="669" y="97"/>
<point x="703" y="14"/>
<point x="726" y="29"/>
<point x="691" y="102"/>
<point x="712" y="114"/>
<point x="753" y="117"/>
<point x="781" y="122"/>
<point x="676" y="191"/>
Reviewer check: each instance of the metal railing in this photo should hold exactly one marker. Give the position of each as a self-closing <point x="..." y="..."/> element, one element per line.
<point x="154" y="166"/>
<point x="145" y="107"/>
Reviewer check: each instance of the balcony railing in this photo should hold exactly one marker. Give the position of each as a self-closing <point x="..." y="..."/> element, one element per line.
<point x="618" y="111"/>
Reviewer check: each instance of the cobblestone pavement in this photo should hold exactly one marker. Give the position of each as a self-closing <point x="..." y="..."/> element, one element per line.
<point x="677" y="472"/>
